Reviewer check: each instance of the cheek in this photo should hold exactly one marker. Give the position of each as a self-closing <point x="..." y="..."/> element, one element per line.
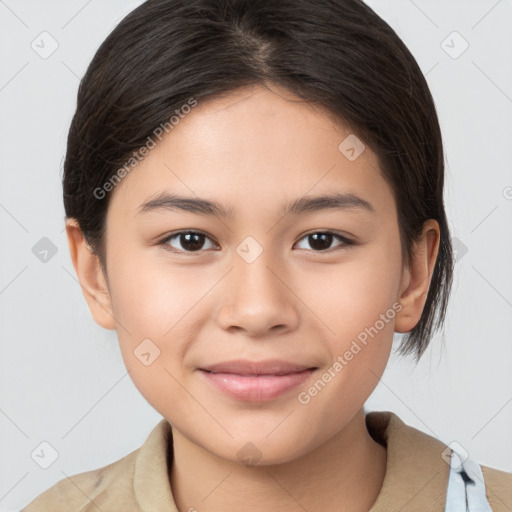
<point x="150" y="297"/>
<point x="358" y="303"/>
<point x="154" y="307"/>
<point x="360" y="307"/>
<point x="157" y="302"/>
<point x="352" y="296"/>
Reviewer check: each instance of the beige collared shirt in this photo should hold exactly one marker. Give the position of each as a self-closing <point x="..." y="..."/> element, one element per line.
<point x="416" y="476"/>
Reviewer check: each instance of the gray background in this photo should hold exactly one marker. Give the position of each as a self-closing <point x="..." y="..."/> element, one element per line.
<point x="62" y="377"/>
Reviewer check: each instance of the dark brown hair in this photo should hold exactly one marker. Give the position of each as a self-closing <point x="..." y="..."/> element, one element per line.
<point x="334" y="53"/>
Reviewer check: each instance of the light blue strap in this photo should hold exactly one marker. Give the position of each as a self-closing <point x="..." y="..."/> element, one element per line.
<point x="466" y="486"/>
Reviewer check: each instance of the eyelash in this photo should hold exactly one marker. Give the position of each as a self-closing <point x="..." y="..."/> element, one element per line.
<point x="346" y="241"/>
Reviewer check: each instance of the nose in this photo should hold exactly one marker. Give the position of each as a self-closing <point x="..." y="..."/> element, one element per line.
<point x="257" y="299"/>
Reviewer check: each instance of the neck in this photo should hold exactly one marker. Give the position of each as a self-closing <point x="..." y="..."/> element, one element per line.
<point x="345" y="473"/>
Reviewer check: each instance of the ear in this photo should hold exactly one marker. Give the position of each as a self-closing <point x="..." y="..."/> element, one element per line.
<point x="90" y="275"/>
<point x="416" y="278"/>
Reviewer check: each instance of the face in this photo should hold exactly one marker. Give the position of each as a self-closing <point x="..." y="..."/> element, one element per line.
<point x="255" y="287"/>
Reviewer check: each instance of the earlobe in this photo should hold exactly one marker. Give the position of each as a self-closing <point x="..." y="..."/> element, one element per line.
<point x="90" y="275"/>
<point x="416" y="278"/>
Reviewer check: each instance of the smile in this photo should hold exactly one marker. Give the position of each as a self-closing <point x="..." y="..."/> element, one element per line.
<point x="256" y="381"/>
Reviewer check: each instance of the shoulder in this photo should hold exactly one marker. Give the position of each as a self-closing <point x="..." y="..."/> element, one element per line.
<point x="85" y="491"/>
<point x="138" y="481"/>
<point x="498" y="486"/>
<point x="420" y="465"/>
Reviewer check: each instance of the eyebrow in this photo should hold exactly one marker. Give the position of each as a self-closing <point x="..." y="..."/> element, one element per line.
<point x="300" y="206"/>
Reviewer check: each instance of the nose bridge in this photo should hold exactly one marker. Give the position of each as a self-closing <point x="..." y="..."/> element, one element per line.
<point x="255" y="268"/>
<point x="256" y="298"/>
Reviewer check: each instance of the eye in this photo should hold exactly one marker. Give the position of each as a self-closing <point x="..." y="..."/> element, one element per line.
<point x="190" y="241"/>
<point x="194" y="241"/>
<point x="322" y="240"/>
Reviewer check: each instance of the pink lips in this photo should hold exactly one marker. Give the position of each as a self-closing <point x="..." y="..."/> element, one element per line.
<point x="256" y="381"/>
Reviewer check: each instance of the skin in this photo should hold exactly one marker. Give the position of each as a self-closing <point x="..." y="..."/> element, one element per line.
<point x="253" y="151"/>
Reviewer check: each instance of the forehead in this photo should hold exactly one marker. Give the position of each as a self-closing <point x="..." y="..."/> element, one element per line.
<point x="255" y="144"/>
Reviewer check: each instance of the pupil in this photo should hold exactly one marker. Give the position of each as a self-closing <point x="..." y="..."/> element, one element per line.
<point x="191" y="241"/>
<point x="321" y="241"/>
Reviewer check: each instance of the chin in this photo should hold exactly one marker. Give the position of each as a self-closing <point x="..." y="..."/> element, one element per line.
<point x="256" y="450"/>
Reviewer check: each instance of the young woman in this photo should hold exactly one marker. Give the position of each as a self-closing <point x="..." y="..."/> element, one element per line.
<point x="254" y="202"/>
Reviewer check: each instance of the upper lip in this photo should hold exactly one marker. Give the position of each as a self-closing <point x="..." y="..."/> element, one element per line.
<point x="267" y="367"/>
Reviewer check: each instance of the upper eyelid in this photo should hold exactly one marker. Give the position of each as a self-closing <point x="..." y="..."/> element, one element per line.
<point x="164" y="240"/>
<point x="183" y="231"/>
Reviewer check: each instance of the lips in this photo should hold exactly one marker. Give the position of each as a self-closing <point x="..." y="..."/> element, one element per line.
<point x="256" y="381"/>
<point x="246" y="367"/>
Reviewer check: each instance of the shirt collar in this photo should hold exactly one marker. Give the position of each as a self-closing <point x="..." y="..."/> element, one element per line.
<point x="416" y="476"/>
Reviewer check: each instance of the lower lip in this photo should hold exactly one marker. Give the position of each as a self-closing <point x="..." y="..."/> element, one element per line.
<point x="256" y="388"/>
